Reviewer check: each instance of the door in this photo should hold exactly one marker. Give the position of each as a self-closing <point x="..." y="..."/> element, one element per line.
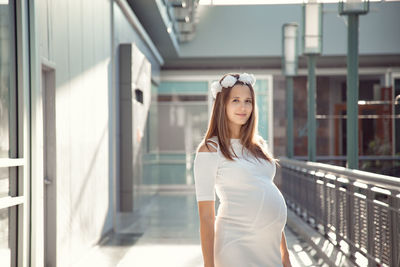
<point x="49" y="165"/>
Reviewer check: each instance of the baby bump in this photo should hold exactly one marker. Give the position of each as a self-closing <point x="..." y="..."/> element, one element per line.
<point x="252" y="204"/>
<point x="272" y="209"/>
<point x="241" y="206"/>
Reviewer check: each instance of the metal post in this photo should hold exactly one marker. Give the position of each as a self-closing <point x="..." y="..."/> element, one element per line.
<point x="394" y="228"/>
<point x="370" y="227"/>
<point x="351" y="217"/>
<point x="352" y="92"/>
<point x="311" y="108"/>
<point x="325" y="214"/>
<point x="289" y="110"/>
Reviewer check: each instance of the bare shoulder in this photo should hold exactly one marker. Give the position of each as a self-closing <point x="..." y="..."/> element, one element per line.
<point x="209" y="148"/>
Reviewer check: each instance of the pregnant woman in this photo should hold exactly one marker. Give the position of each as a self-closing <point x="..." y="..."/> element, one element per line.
<point x="233" y="161"/>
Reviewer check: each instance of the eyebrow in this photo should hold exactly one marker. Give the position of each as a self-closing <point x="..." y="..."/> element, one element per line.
<point x="239" y="97"/>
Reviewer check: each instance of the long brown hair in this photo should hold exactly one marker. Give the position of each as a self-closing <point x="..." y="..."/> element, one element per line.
<point x="218" y="126"/>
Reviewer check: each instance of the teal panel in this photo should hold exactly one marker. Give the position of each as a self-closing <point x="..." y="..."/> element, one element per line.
<point x="172" y="173"/>
<point x="151" y="174"/>
<point x="261" y="87"/>
<point x="262" y="93"/>
<point x="165" y="168"/>
<point x="172" y="156"/>
<point x="196" y="87"/>
<point x="167" y="173"/>
<point x="262" y="103"/>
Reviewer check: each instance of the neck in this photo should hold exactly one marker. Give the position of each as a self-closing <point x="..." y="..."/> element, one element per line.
<point x="235" y="130"/>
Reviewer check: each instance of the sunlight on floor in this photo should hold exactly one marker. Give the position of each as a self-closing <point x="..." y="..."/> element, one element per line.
<point x="298" y="254"/>
<point x="171" y="239"/>
<point x="168" y="255"/>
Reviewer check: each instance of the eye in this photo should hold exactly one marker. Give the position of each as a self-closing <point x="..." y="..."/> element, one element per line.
<point x="235" y="100"/>
<point x="249" y="101"/>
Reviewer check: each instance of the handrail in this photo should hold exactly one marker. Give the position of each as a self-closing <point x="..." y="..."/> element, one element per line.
<point x="357" y="175"/>
<point x="344" y="158"/>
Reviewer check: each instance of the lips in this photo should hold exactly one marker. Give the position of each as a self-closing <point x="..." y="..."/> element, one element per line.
<point x="241" y="115"/>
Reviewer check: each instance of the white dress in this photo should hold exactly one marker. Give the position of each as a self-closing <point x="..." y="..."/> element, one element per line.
<point x="252" y="211"/>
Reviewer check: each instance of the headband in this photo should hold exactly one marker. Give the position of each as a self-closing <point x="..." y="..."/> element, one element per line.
<point x="230" y="80"/>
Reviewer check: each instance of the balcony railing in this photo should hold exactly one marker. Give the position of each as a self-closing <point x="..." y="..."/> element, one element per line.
<point x="359" y="212"/>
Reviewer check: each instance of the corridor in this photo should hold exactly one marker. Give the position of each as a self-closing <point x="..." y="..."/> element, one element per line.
<point x="170" y="238"/>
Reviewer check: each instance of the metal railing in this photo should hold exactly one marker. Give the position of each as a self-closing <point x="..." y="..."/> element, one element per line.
<point x="381" y="164"/>
<point x="359" y="212"/>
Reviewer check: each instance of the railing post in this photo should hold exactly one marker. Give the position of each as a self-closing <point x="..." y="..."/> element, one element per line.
<point x="337" y="210"/>
<point x="314" y="200"/>
<point x="308" y="203"/>
<point x="325" y="212"/>
<point x="351" y="221"/>
<point x="370" y="226"/>
<point x="394" y="202"/>
<point x="321" y="204"/>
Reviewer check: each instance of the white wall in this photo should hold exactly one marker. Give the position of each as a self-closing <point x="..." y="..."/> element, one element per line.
<point x="76" y="36"/>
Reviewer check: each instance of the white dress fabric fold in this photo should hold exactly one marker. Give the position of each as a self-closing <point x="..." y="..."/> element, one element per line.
<point x="252" y="212"/>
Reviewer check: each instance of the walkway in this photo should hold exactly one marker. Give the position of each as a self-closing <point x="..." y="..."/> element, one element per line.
<point x="170" y="238"/>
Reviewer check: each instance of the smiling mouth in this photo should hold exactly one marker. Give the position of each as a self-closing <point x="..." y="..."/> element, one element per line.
<point x="242" y="115"/>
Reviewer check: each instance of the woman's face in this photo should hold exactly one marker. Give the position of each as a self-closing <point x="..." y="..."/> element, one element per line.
<point x="239" y="105"/>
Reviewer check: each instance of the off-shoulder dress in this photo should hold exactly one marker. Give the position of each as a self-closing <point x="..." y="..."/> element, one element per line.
<point x="252" y="211"/>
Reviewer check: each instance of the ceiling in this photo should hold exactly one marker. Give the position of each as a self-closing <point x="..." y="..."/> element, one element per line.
<point x="171" y="23"/>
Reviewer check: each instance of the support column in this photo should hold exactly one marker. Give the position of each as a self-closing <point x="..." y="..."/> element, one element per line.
<point x="289" y="116"/>
<point x="352" y="92"/>
<point x="311" y="108"/>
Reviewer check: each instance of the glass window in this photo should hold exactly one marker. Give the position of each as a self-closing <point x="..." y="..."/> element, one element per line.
<point x="4" y="182"/>
<point x="7" y="74"/>
<point x="377" y="144"/>
<point x="186" y="123"/>
<point x="7" y="236"/>
<point x="8" y="222"/>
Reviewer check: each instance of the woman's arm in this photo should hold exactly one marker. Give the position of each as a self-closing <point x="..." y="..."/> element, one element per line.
<point x="207" y="218"/>
<point x="285" y="252"/>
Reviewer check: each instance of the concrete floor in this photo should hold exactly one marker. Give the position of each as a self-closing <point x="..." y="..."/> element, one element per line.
<point x="168" y="235"/>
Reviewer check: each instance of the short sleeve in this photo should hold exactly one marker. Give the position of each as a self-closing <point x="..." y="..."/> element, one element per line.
<point x="205" y="171"/>
<point x="266" y="147"/>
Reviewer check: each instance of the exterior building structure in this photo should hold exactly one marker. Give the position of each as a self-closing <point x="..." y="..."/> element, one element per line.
<point x="60" y="110"/>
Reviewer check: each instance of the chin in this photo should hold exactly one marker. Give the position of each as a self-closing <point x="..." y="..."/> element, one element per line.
<point x="242" y="122"/>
